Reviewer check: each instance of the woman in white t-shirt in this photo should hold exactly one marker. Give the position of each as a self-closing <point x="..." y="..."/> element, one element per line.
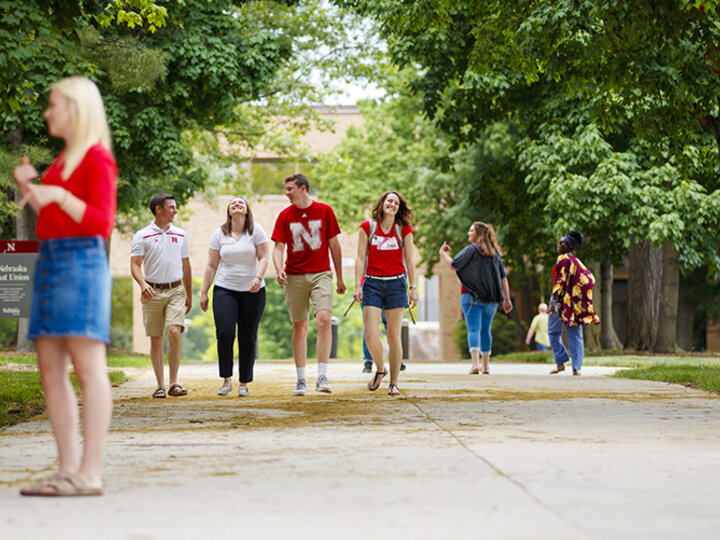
<point x="237" y="260"/>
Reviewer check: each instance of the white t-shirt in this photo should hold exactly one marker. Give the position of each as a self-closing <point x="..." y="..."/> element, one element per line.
<point x="162" y="252"/>
<point x="238" y="259"/>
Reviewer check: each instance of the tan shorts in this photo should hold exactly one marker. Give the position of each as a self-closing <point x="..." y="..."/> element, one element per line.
<point x="301" y="289"/>
<point x="165" y="308"/>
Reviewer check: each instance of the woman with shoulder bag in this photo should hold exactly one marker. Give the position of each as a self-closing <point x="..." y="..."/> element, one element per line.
<point x="484" y="281"/>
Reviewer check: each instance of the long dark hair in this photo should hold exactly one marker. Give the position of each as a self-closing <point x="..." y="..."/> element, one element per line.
<point x="486" y="239"/>
<point x="404" y="216"/>
<point x="249" y="227"/>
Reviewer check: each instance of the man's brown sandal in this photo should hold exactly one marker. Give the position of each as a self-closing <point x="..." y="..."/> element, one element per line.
<point x="176" y="391"/>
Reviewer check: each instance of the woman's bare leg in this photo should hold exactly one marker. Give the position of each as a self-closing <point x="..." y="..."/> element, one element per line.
<point x="60" y="401"/>
<point x="89" y="360"/>
<point x="394" y="328"/>
<point x="372" y="316"/>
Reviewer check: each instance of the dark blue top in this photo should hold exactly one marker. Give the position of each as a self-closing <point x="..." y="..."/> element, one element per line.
<point x="480" y="275"/>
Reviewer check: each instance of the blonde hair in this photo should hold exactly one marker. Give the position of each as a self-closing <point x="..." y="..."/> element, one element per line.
<point x="89" y="124"/>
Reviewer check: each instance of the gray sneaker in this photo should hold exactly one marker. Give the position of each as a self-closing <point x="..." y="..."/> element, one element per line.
<point x="300" y="388"/>
<point x="243" y="391"/>
<point x="321" y="385"/>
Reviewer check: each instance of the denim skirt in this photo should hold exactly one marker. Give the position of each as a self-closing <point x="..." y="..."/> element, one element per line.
<point x="71" y="289"/>
<point x="385" y="293"/>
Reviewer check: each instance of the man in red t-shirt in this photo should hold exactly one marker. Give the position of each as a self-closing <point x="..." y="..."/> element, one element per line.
<point x="309" y="229"/>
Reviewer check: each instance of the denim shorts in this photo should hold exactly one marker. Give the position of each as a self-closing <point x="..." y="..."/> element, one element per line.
<point x="71" y="290"/>
<point x="385" y="294"/>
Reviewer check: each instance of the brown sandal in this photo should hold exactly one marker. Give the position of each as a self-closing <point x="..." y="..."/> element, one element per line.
<point x="57" y="486"/>
<point x="159" y="393"/>
<point x="374" y="383"/>
<point x="176" y="391"/>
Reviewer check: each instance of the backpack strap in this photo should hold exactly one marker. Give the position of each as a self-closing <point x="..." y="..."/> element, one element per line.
<point x="373" y="228"/>
<point x="398" y="233"/>
<point x="371" y="234"/>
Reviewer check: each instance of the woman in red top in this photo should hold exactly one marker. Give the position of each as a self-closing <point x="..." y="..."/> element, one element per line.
<point x="384" y="264"/>
<point x="70" y="317"/>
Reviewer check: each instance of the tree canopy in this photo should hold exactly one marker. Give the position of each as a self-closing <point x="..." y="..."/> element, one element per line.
<point x="187" y="85"/>
<point x="606" y="113"/>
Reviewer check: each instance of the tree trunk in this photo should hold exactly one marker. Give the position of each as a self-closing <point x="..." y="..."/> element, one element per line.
<point x="608" y="337"/>
<point x="685" y="320"/>
<point x="666" y="339"/>
<point x="643" y="295"/>
<point x="25" y="230"/>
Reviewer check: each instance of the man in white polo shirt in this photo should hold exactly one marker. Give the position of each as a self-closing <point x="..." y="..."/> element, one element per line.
<point x="165" y="287"/>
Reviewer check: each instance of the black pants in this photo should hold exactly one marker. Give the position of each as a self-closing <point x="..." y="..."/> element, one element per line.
<point x="242" y="311"/>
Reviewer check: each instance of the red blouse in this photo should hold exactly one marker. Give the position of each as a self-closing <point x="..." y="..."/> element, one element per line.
<point x="93" y="181"/>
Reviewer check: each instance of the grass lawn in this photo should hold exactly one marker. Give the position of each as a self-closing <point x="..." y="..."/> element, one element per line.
<point x="21" y="394"/>
<point x="698" y="371"/>
<point x="705" y="376"/>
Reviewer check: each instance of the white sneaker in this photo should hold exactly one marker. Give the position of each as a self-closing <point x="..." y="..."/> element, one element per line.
<point x="321" y="385"/>
<point x="300" y="388"/>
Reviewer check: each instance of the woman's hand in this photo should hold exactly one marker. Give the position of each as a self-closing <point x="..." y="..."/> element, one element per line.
<point x="357" y="295"/>
<point x="507" y="305"/>
<point x="204" y="301"/>
<point x="24" y="174"/>
<point x="39" y="196"/>
<point x="255" y="284"/>
<point x="413" y="297"/>
<point x="444" y="248"/>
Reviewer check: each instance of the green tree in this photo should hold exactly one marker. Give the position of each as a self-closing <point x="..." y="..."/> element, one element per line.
<point x="650" y="86"/>
<point x="187" y="86"/>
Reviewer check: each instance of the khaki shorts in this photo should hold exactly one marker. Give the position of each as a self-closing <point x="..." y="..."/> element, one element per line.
<point x="165" y="308"/>
<point x="301" y="289"/>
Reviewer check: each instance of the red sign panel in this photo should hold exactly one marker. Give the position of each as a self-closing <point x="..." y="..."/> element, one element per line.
<point x="18" y="246"/>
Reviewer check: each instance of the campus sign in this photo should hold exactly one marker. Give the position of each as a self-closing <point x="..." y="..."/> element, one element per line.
<point x="17" y="264"/>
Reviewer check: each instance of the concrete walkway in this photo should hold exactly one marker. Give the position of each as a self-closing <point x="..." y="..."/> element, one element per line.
<point x="517" y="454"/>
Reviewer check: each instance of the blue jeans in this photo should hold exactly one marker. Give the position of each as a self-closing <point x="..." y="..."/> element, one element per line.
<point x="478" y="319"/>
<point x="574" y="338"/>
<point x="541" y="347"/>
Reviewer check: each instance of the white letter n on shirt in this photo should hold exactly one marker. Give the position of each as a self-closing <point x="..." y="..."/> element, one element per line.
<point x="299" y="233"/>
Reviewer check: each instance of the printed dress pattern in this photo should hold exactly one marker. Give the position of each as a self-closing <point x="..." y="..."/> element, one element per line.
<point x="572" y="284"/>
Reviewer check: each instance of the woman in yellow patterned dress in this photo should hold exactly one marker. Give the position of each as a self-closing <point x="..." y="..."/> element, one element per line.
<point x="570" y="304"/>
